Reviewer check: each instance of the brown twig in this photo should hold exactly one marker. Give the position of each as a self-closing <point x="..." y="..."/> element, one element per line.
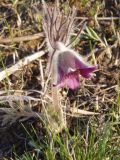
<point x="98" y="18"/>
<point x="21" y="39"/>
<point x="8" y="71"/>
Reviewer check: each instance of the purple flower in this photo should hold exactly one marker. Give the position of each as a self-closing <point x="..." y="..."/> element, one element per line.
<point x="68" y="66"/>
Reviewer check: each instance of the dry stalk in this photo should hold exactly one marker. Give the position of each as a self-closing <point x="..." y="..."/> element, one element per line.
<point x="21" y="39"/>
<point x="98" y="18"/>
<point x="8" y="71"/>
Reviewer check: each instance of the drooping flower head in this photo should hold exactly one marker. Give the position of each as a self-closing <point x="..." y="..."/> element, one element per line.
<point x="68" y="66"/>
<point x="65" y="64"/>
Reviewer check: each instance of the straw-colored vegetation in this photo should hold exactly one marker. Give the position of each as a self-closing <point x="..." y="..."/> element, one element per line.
<point x="85" y="124"/>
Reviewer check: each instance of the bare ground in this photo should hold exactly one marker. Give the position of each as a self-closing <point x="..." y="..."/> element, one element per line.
<point x="101" y="94"/>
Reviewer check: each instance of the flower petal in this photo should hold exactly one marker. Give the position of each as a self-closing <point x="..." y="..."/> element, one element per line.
<point x="86" y="72"/>
<point x="67" y="66"/>
<point x="71" y="81"/>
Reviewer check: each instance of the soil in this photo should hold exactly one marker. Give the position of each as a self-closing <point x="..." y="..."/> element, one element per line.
<point x="99" y="94"/>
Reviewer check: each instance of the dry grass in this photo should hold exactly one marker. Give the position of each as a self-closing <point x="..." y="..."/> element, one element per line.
<point x="25" y="92"/>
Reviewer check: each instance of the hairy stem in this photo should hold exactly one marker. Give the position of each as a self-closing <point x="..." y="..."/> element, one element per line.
<point x="57" y="109"/>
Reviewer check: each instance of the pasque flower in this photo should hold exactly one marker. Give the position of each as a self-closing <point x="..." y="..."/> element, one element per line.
<point x="68" y="66"/>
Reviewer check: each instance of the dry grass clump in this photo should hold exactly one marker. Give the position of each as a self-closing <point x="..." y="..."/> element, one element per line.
<point x="90" y="113"/>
